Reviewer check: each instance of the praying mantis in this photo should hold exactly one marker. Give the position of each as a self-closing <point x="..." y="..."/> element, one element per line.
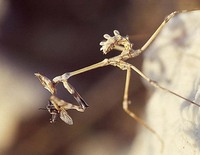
<point x="57" y="106"/>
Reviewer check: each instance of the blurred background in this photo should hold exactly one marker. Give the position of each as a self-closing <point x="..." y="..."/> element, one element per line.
<point x="54" y="37"/>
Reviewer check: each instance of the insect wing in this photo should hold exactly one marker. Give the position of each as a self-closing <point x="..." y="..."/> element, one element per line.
<point x="65" y="117"/>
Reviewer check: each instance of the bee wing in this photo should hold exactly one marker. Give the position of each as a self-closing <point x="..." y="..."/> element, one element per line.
<point x="65" y="117"/>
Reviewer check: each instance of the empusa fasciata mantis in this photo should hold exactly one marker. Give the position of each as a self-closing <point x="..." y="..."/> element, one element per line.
<point x="122" y="44"/>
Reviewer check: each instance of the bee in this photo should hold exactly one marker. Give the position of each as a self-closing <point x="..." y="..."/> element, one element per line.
<point x="57" y="107"/>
